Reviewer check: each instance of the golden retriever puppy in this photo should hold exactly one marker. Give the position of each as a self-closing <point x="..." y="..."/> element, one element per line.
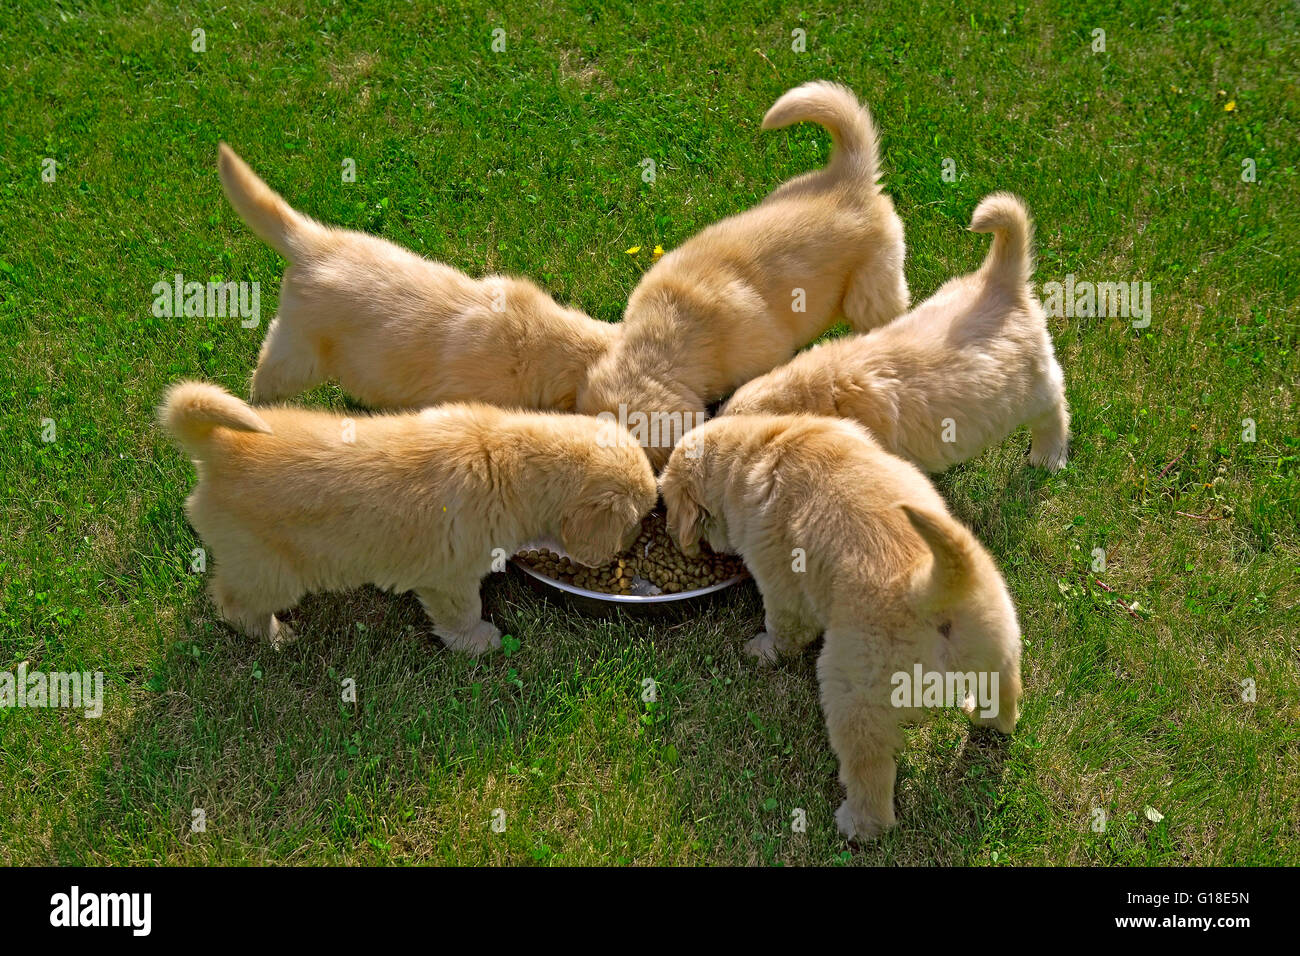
<point x="846" y="539"/>
<point x="399" y="331"/>
<point x="746" y="293"/>
<point x="958" y="373"/>
<point x="291" y="501"/>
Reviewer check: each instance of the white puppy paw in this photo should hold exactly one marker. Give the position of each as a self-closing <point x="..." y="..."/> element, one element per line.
<point x="762" y="646"/>
<point x="282" y="635"/>
<point x="859" y="826"/>
<point x="1001" y="722"/>
<point x="1051" y="457"/>
<point x="481" y="637"/>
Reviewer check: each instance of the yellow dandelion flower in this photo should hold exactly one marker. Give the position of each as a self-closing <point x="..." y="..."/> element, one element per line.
<point x="633" y="251"/>
<point x="1230" y="106"/>
<point x="659" y="251"/>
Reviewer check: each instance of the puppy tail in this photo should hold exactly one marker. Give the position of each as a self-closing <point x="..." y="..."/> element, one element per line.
<point x="856" y="144"/>
<point x="949" y="571"/>
<point x="1011" y="258"/>
<point x="192" y="410"/>
<point x="275" y="222"/>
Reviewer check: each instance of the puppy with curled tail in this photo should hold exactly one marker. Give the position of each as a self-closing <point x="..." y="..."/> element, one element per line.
<point x="744" y="294"/>
<point x="396" y="330"/>
<point x="960" y="372"/>
<point x="290" y="501"/>
<point x="846" y="540"/>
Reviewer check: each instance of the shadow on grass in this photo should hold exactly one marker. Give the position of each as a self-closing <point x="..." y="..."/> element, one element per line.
<point x="284" y="766"/>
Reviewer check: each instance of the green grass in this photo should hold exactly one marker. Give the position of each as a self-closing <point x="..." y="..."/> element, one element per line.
<point x="527" y="161"/>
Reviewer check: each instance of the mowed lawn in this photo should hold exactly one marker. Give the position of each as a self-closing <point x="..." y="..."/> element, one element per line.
<point x="1167" y="681"/>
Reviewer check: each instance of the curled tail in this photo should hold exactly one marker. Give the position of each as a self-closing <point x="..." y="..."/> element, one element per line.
<point x="276" y="223"/>
<point x="856" y="144"/>
<point x="950" y="571"/>
<point x="1011" y="257"/>
<point x="192" y="409"/>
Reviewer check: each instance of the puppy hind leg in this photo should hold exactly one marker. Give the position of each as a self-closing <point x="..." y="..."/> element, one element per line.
<point x="1049" y="445"/>
<point x="987" y="658"/>
<point x="457" y="616"/>
<point x="288" y="364"/>
<point x="875" y="297"/>
<point x="253" y="614"/>
<point x="865" y="735"/>
<point x="1004" y="713"/>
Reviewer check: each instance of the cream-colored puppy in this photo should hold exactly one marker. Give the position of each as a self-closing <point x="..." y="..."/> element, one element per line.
<point x="743" y="295"/>
<point x="846" y="539"/>
<point x="399" y="331"/>
<point x="291" y="501"/>
<point x="958" y="373"/>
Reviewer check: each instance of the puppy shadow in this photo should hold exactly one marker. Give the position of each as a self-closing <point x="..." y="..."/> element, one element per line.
<point x="327" y="618"/>
<point x="280" y="749"/>
<point x="999" y="495"/>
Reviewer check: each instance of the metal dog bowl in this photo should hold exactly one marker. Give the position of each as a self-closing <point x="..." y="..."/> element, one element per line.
<point x="645" y="596"/>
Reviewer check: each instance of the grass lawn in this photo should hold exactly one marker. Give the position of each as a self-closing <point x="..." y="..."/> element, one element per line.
<point x="528" y="160"/>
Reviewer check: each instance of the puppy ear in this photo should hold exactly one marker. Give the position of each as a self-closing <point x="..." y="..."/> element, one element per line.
<point x="592" y="529"/>
<point x="686" y="516"/>
<point x="949" y="572"/>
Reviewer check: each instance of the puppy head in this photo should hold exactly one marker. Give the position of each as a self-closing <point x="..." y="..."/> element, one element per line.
<point x="603" y="518"/>
<point x="655" y="411"/>
<point x="683" y="487"/>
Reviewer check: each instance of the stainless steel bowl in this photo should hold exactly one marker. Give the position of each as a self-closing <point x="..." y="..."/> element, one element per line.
<point x="598" y="601"/>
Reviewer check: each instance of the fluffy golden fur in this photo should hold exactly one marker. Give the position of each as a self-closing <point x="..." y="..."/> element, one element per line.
<point x="889" y="577"/>
<point x="291" y="501"/>
<point x="720" y="309"/>
<point x="972" y="363"/>
<point x="399" y="331"/>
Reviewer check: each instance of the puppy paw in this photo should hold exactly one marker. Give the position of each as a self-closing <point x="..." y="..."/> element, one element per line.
<point x="479" y="639"/>
<point x="282" y="635"/>
<point x="1053" y="458"/>
<point x="1003" y="723"/>
<point x="860" y="826"/>
<point x="762" y="646"/>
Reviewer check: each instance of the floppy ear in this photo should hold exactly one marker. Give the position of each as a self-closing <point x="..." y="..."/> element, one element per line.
<point x="686" y="515"/>
<point x="949" y="572"/>
<point x="593" y="527"/>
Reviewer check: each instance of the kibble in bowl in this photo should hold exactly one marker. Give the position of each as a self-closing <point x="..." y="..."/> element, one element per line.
<point x="651" y="569"/>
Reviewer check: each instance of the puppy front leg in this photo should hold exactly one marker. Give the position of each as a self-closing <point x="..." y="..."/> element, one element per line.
<point x="787" y="631"/>
<point x="865" y="735"/>
<point x="789" y="625"/>
<point x="456" y="613"/>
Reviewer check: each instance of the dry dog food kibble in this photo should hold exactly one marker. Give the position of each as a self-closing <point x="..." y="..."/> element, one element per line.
<point x="653" y="557"/>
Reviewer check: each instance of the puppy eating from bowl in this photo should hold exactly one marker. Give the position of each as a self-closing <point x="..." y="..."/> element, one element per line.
<point x="744" y="294"/>
<point x="958" y="373"/>
<point x="845" y="539"/>
<point x="291" y="501"/>
<point x="396" y="330"/>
